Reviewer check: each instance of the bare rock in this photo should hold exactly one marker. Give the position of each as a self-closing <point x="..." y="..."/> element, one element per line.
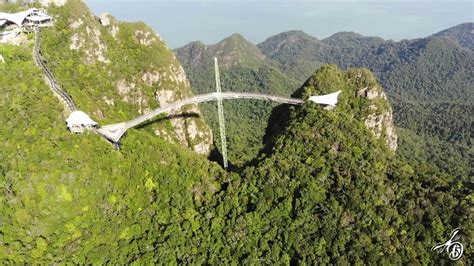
<point x="76" y="42"/>
<point x="151" y="78"/>
<point x="76" y="24"/>
<point x="380" y="120"/>
<point x="124" y="89"/>
<point x="108" y="101"/>
<point x="146" y="38"/>
<point x="89" y="41"/>
<point x="107" y="20"/>
<point x="52" y="2"/>
<point x="164" y="97"/>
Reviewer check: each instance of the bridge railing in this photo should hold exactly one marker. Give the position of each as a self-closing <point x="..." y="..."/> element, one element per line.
<point x="210" y="97"/>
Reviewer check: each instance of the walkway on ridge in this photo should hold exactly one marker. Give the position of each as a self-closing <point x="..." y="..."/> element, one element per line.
<point x="61" y="94"/>
<point x="115" y="131"/>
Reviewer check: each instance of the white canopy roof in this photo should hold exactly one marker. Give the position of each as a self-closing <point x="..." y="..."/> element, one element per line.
<point x="38" y="16"/>
<point x="18" y="18"/>
<point x="79" y="118"/>
<point x="328" y="99"/>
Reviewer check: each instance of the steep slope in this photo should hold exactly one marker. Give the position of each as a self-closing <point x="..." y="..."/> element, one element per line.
<point x="420" y="76"/>
<point x="462" y="33"/>
<point x="243" y="68"/>
<point x="329" y="192"/>
<point x="431" y="69"/>
<point x="72" y="198"/>
<point x="68" y="198"/>
<point x="118" y="70"/>
<point x="297" y="53"/>
<point x="437" y="132"/>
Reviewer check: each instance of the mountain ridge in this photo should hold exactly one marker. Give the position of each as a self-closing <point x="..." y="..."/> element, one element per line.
<point x="433" y="69"/>
<point x="232" y="50"/>
<point x="462" y="33"/>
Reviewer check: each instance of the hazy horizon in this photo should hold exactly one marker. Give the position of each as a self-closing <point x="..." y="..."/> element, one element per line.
<point x="180" y="22"/>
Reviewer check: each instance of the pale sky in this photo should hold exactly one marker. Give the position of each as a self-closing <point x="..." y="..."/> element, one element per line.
<point x="183" y="21"/>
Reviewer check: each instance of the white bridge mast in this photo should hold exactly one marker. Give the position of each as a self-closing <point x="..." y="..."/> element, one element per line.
<point x="115" y="131"/>
<point x="220" y="111"/>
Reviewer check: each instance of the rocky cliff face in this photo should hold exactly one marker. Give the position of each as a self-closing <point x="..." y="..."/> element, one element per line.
<point x="378" y="114"/>
<point x="380" y="121"/>
<point x="362" y="97"/>
<point x="119" y="70"/>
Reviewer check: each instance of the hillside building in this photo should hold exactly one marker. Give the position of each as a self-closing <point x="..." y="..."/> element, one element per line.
<point x="79" y="121"/>
<point x="13" y="24"/>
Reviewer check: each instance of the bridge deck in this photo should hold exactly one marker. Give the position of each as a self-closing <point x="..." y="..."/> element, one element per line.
<point x="115" y="132"/>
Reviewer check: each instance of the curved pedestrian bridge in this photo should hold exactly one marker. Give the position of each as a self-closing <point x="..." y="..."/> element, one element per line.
<point x="115" y="131"/>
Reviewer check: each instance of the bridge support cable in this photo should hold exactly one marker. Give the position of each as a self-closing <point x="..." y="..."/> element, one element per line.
<point x="220" y="111"/>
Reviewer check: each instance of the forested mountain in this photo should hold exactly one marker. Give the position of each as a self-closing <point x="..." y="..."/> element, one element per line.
<point x="463" y="34"/>
<point x="68" y="198"/>
<point x="421" y="77"/>
<point x="326" y="189"/>
<point x="433" y="68"/>
<point x="352" y="39"/>
<point x="295" y="52"/>
<point x="233" y="50"/>
<point x="243" y="68"/>
<point x="126" y="67"/>
<point x="328" y="192"/>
